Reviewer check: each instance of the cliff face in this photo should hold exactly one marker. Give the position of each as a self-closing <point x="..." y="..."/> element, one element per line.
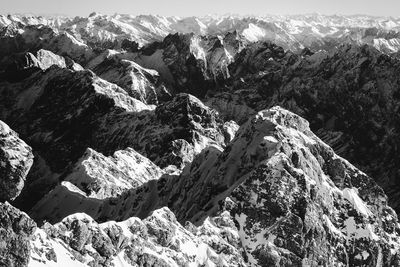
<point x="16" y="159"/>
<point x="16" y="228"/>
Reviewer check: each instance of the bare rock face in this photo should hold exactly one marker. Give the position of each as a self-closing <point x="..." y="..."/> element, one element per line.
<point x="192" y="122"/>
<point x="16" y="229"/>
<point x="16" y="159"/>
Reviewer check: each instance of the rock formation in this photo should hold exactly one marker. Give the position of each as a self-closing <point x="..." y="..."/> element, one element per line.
<point x="16" y="228"/>
<point x="16" y="231"/>
<point x="15" y="161"/>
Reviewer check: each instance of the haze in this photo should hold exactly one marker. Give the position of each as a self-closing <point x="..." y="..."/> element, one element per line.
<point x="202" y="7"/>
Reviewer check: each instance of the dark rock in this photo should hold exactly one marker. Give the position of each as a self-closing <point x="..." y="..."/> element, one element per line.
<point x="80" y="235"/>
<point x="16" y="159"/>
<point x="16" y="230"/>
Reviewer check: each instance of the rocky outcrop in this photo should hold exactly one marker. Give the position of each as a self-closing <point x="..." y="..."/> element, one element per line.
<point x="16" y="230"/>
<point x="158" y="240"/>
<point x="103" y="177"/>
<point x="16" y="159"/>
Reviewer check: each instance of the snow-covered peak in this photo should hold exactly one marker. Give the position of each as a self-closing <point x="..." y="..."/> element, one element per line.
<point x="293" y="32"/>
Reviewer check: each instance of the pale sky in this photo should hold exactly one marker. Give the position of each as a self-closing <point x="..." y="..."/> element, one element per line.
<point x="202" y="7"/>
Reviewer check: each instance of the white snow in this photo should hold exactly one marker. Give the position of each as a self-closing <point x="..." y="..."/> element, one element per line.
<point x="120" y="97"/>
<point x="331" y="226"/>
<point x="43" y="243"/>
<point x="197" y="50"/>
<point x="253" y="33"/>
<point x="119" y="260"/>
<point x="351" y="195"/>
<point x="358" y="231"/>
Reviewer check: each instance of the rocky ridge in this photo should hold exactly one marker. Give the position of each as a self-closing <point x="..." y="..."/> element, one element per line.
<point x="349" y="96"/>
<point x="287" y="199"/>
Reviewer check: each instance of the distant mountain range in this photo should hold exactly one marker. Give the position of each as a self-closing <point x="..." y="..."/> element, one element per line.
<point x="291" y="32"/>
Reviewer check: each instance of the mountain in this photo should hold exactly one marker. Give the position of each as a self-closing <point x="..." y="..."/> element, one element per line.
<point x="350" y="97"/>
<point x="199" y="141"/>
<point x="277" y="196"/>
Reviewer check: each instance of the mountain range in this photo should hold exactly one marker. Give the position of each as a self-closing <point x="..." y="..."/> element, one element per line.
<point x="210" y="141"/>
<point x="294" y="32"/>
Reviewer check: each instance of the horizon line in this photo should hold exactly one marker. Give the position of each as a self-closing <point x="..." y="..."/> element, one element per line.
<point x="50" y="14"/>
